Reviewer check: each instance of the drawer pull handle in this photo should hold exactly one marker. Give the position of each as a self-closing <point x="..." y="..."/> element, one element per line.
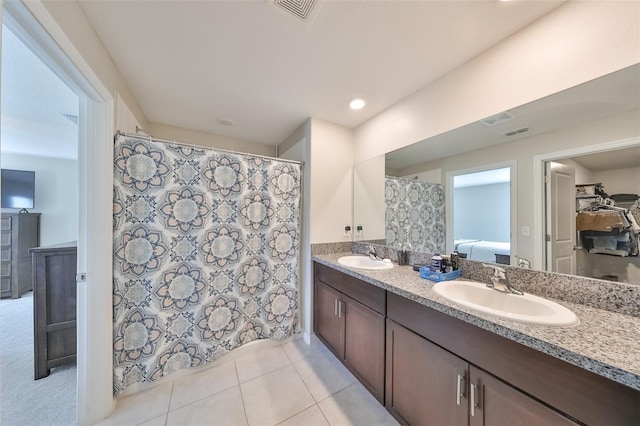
<point x="474" y="391"/>
<point x="459" y="388"/>
<point x="335" y="307"/>
<point x="339" y="308"/>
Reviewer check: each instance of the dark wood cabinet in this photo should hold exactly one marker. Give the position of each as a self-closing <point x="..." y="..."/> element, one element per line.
<point x="18" y="233"/>
<point x="430" y="368"/>
<point x="329" y="320"/>
<point x="427" y="385"/>
<point x="348" y="319"/>
<point x="509" y="380"/>
<point x="493" y="402"/>
<point x="54" y="307"/>
<point x="364" y="345"/>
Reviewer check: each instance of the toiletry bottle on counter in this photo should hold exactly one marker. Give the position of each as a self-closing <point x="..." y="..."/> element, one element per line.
<point x="436" y="263"/>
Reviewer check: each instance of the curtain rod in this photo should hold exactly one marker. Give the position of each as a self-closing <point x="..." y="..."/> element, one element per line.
<point x="173" y="142"/>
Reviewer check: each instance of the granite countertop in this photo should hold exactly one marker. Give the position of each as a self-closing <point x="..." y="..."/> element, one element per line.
<point x="606" y="343"/>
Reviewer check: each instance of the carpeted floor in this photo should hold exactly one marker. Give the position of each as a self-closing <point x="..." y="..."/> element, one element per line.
<point x="24" y="401"/>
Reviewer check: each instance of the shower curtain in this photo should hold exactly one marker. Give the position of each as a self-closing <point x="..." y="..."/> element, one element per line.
<point x="206" y="253"/>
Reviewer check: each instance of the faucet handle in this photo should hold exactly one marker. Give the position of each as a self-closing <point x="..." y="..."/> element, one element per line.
<point x="498" y="272"/>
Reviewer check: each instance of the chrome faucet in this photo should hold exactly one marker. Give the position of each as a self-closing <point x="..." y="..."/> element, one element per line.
<point x="373" y="254"/>
<point x="500" y="282"/>
<point x="524" y="263"/>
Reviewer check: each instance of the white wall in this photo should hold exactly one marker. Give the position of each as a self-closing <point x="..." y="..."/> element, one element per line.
<point x="73" y="21"/>
<point x="575" y="43"/>
<point x="56" y="195"/>
<point x="482" y="212"/>
<point x="368" y="199"/>
<point x="331" y="192"/>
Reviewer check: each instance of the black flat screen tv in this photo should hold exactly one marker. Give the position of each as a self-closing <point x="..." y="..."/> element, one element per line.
<point x="18" y="189"/>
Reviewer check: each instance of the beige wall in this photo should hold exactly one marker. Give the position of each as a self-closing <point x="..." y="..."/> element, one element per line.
<point x="179" y="134"/>
<point x="575" y="43"/>
<point x="368" y="199"/>
<point x="621" y="181"/>
<point x="615" y="128"/>
<point x="331" y="192"/>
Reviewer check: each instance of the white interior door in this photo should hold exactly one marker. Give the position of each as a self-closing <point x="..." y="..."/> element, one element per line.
<point x="561" y="218"/>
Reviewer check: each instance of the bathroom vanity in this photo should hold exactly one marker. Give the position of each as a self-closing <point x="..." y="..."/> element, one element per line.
<point x="431" y="362"/>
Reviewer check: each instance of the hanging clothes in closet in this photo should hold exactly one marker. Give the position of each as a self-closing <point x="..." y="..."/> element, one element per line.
<point x="607" y="229"/>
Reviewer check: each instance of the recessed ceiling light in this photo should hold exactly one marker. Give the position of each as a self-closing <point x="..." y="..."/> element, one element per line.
<point x="357" y="103"/>
<point x="225" y="122"/>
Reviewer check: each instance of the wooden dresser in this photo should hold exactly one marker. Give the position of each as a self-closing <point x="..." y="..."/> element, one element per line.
<point x="54" y="306"/>
<point x="18" y="233"/>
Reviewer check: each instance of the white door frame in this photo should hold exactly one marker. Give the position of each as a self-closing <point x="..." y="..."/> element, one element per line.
<point x="42" y="34"/>
<point x="539" y="209"/>
<point x="513" y="199"/>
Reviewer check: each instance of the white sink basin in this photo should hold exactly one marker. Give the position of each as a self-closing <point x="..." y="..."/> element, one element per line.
<point x="526" y="308"/>
<point x="364" y="262"/>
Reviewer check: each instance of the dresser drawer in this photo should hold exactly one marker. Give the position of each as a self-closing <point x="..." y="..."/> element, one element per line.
<point x="5" y="285"/>
<point x="5" y="269"/>
<point x="5" y="238"/>
<point x="5" y="254"/>
<point x="5" y="223"/>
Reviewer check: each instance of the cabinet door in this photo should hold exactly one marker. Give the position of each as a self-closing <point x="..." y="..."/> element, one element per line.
<point x="425" y="385"/>
<point x="364" y="345"/>
<point x="496" y="403"/>
<point x="328" y="318"/>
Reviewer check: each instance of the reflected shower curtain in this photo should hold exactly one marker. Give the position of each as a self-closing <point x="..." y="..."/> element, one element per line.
<point x="414" y="215"/>
<point x="206" y="253"/>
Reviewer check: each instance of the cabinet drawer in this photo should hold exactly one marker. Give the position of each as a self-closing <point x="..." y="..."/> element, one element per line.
<point x="5" y="223"/>
<point x="365" y="293"/>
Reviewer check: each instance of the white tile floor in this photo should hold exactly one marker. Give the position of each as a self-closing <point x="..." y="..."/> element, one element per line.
<point x="292" y="384"/>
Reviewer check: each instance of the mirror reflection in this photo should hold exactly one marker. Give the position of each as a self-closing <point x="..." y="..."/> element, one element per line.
<point x="589" y="128"/>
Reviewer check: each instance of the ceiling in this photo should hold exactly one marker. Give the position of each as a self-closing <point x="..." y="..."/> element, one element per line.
<point x="34" y="101"/>
<point x="192" y="64"/>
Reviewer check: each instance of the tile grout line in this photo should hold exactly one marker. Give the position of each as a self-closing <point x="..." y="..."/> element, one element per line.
<point x="207" y="396"/>
<point x="310" y="393"/>
<point x="166" y="415"/>
<point x="244" y="407"/>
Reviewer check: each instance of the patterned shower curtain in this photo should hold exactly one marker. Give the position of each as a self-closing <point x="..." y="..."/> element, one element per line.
<point x="206" y="252"/>
<point x="414" y="215"/>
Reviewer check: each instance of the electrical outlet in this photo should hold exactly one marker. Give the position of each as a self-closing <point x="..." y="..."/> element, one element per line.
<point x="347" y="231"/>
<point x="359" y="230"/>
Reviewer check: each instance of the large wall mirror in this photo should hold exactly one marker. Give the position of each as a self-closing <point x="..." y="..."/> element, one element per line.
<point x="562" y="197"/>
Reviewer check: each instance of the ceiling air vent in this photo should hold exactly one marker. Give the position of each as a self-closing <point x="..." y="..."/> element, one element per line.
<point x="497" y="119"/>
<point x="72" y="118"/>
<point x="301" y="9"/>
<point x="517" y="131"/>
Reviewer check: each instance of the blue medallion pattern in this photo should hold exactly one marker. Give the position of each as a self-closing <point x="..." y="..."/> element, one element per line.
<point x="206" y="255"/>
<point x="414" y="214"/>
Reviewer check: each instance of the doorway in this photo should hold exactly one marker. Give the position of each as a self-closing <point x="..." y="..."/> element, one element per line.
<point x="39" y="135"/>
<point x="481" y="212"/>
<point x="591" y="204"/>
<point x="38" y="29"/>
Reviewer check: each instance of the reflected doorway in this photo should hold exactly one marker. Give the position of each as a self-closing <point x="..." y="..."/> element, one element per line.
<point x="481" y="213"/>
<point x="592" y="200"/>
